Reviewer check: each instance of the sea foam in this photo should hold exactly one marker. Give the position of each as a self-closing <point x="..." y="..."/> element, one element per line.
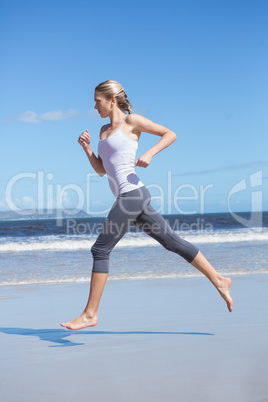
<point x="56" y="243"/>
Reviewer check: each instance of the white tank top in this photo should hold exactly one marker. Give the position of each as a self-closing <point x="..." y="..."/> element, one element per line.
<point x="118" y="153"/>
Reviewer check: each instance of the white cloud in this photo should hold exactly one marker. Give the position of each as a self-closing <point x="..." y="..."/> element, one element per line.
<point x="28" y="117"/>
<point x="25" y="202"/>
<point x="32" y="117"/>
<point x="17" y="204"/>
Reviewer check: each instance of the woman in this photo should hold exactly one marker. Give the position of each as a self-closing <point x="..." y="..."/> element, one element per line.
<point x="117" y="148"/>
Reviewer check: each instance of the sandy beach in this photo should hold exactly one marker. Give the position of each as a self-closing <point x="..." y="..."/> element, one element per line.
<point x="157" y="340"/>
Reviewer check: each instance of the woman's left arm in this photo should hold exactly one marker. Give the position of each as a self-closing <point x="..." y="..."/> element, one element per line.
<point x="142" y="124"/>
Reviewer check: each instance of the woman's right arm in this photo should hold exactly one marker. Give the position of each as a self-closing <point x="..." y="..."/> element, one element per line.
<point x="96" y="163"/>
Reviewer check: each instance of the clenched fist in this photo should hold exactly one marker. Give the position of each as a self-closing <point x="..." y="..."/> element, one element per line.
<point x="84" y="140"/>
<point x="144" y="160"/>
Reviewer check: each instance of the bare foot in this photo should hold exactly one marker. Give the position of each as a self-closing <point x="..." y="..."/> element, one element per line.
<point x="224" y="290"/>
<point x="81" y="322"/>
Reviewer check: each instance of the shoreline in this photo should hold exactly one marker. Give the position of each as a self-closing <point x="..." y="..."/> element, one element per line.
<point x="128" y="278"/>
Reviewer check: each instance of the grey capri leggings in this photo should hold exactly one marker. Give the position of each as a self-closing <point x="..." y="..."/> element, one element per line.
<point x="134" y="207"/>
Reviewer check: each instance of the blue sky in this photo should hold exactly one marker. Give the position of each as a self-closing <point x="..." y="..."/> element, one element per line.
<point x="196" y="67"/>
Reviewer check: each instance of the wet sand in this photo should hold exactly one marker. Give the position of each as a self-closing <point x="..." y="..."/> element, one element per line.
<point x="157" y="340"/>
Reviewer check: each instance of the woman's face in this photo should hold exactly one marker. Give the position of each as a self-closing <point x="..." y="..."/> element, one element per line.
<point x="102" y="104"/>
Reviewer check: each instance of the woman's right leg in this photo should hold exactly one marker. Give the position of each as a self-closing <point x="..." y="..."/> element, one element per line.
<point x="125" y="209"/>
<point x="89" y="317"/>
<point x="114" y="228"/>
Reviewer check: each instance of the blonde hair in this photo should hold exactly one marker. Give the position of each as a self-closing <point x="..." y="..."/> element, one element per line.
<point x="112" y="89"/>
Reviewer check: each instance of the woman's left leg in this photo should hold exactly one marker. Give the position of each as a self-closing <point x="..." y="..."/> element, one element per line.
<point x="152" y="223"/>
<point x="221" y="283"/>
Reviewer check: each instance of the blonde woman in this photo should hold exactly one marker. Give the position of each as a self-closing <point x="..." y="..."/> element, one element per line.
<point x="117" y="148"/>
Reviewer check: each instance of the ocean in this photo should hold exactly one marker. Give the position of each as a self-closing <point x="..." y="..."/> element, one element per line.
<point x="42" y="251"/>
